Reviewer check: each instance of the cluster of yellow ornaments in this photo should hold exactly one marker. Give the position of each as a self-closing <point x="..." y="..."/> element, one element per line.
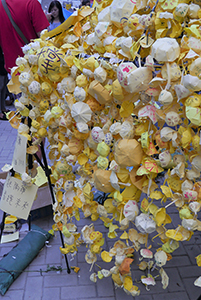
<point x="115" y="91"/>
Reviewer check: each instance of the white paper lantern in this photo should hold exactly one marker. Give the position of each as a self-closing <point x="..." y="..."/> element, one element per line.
<point x="131" y="210"/>
<point x="145" y="223"/>
<point x="81" y="112"/>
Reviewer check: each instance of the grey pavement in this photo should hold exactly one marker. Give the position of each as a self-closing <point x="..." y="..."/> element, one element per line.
<point x="182" y="269"/>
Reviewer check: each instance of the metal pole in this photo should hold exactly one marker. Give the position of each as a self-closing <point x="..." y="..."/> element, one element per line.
<point x="48" y="172"/>
<point x="2" y="224"/>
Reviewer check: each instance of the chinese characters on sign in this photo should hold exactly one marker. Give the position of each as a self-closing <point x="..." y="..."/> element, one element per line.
<point x="17" y="199"/>
<point x="19" y="156"/>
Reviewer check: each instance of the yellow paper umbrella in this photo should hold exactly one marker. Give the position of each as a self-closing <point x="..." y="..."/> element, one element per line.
<point x="128" y="283"/>
<point x="173" y="234"/>
<point x="160" y="216"/>
<point x="151" y="166"/>
<point x="90" y="257"/>
<point x="198" y="260"/>
<point x="126" y="109"/>
<point x="165" y="278"/>
<point x="10" y="219"/>
<point x="124" y="236"/>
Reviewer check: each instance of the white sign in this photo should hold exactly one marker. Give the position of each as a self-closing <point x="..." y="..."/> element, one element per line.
<point x="10" y="237"/>
<point x="17" y="199"/>
<point x="19" y="156"/>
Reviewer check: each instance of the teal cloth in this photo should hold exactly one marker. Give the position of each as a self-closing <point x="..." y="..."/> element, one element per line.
<point x="25" y="251"/>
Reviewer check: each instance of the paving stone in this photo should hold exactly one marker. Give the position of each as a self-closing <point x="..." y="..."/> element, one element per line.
<point x="43" y="223"/>
<point x="78" y="292"/>
<point x="84" y="274"/>
<point x="5" y="250"/>
<point x="82" y="248"/>
<point x="32" y="268"/>
<point x="40" y="258"/>
<point x="51" y="294"/>
<point x="4" y="153"/>
<point x="19" y="282"/>
<point x="144" y="297"/>
<point x="193" y="291"/>
<point x="195" y="240"/>
<point x="4" y="138"/>
<point x="100" y="298"/>
<point x="9" y="159"/>
<point x="33" y="288"/>
<point x="3" y="159"/>
<point x="192" y="251"/>
<point x="180" y="251"/>
<point x="175" y="219"/>
<point x="172" y="296"/>
<point x="53" y="255"/>
<point x="6" y="147"/>
<point x="72" y="262"/>
<point x="190" y="271"/>
<point x="105" y="265"/>
<point x="56" y="240"/>
<point x="60" y="280"/>
<point x="64" y="265"/>
<point x="177" y="261"/>
<point x="81" y="256"/>
<point x="120" y="295"/>
<point x="85" y="221"/>
<point x="13" y="295"/>
<point x="101" y="228"/>
<point x="105" y="287"/>
<point x="175" y="283"/>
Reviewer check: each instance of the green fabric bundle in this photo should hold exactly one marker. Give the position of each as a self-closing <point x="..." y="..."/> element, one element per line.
<point x="12" y="265"/>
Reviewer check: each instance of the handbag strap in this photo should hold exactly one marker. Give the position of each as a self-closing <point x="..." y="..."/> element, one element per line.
<point x="13" y="22"/>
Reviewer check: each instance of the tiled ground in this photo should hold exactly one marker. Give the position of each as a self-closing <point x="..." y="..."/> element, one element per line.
<point x="182" y="271"/>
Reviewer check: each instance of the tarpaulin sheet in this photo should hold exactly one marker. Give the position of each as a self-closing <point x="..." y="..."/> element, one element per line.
<point x="12" y="265"/>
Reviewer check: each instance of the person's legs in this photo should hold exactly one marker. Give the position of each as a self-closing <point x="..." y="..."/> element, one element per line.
<point x="3" y="83"/>
<point x="10" y="98"/>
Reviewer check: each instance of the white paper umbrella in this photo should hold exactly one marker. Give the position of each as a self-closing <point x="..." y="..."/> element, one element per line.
<point x="68" y="198"/>
<point x="145" y="223"/>
<point x="146" y="253"/>
<point x="131" y="210"/>
<point x="81" y="112"/>
<point x="82" y="127"/>
<point x="97" y="134"/>
<point x="197" y="282"/>
<point x="148" y="281"/>
<point x="120" y="9"/>
<point x="115" y="183"/>
<point x="122" y="72"/>
<point x="189" y="224"/>
<point x="165" y="49"/>
<point x="160" y="258"/>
